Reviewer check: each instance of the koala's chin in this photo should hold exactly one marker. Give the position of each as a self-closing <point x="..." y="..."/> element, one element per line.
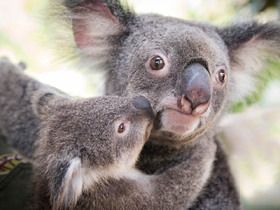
<point x="177" y="121"/>
<point x="180" y="124"/>
<point x="177" y="129"/>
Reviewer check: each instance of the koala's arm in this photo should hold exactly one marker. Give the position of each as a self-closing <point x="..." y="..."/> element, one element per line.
<point x="177" y="187"/>
<point x="180" y="185"/>
<point x="220" y="191"/>
<point x="18" y="123"/>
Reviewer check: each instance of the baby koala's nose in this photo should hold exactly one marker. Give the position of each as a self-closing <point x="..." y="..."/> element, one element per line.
<point x="143" y="105"/>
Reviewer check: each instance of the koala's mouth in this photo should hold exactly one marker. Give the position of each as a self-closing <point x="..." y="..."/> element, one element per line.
<point x="178" y="119"/>
<point x="178" y="122"/>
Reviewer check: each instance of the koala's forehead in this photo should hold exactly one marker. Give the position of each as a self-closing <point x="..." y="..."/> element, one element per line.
<point x="107" y="107"/>
<point x="81" y="116"/>
<point x="177" y="36"/>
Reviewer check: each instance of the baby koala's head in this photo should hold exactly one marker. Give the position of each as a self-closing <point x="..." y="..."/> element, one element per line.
<point x="100" y="131"/>
<point x="84" y="141"/>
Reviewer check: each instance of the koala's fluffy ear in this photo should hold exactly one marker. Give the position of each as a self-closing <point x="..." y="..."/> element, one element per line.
<point x="250" y="46"/>
<point x="43" y="102"/>
<point x="71" y="186"/>
<point x="98" y="26"/>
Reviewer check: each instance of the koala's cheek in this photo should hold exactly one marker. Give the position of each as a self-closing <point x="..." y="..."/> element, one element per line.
<point x="178" y="123"/>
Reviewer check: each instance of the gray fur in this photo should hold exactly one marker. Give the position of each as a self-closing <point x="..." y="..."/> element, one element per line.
<point x="122" y="45"/>
<point x="82" y="162"/>
<point x="78" y="137"/>
<point x="18" y="123"/>
<point x="241" y="50"/>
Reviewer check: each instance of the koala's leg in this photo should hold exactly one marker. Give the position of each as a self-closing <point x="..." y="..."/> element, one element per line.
<point x="18" y="123"/>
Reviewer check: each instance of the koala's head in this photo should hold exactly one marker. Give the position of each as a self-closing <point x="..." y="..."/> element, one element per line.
<point x="189" y="71"/>
<point x="83" y="141"/>
<point x="101" y="132"/>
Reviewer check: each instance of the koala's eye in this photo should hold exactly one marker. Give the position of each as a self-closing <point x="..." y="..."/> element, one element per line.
<point x="221" y="76"/>
<point x="121" y="128"/>
<point x="157" y="63"/>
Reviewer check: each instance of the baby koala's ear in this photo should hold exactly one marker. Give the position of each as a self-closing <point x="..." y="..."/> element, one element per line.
<point x="43" y="102"/>
<point x="71" y="186"/>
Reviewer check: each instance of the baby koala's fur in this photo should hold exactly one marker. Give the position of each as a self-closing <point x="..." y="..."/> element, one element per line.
<point x="18" y="123"/>
<point x="80" y="144"/>
<point x="81" y="161"/>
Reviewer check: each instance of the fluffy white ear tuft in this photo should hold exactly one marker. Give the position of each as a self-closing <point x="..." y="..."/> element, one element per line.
<point x="251" y="45"/>
<point x="246" y="64"/>
<point x="91" y="29"/>
<point x="71" y="187"/>
<point x="93" y="25"/>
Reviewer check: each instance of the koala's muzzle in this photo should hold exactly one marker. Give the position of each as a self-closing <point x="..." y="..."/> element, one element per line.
<point x="196" y="86"/>
<point x="143" y="105"/>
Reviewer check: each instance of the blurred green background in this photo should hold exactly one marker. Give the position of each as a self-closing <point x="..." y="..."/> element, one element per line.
<point x="251" y="133"/>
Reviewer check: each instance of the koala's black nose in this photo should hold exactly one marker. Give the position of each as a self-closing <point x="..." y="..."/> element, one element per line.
<point x="143" y="104"/>
<point x="196" y="85"/>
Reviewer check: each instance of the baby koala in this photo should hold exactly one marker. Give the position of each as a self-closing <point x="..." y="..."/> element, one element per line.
<point x="86" y="149"/>
<point x="86" y="152"/>
<point x="84" y="141"/>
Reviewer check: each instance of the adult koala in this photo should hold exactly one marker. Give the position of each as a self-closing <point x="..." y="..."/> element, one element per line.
<point x="191" y="72"/>
<point x="84" y="151"/>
